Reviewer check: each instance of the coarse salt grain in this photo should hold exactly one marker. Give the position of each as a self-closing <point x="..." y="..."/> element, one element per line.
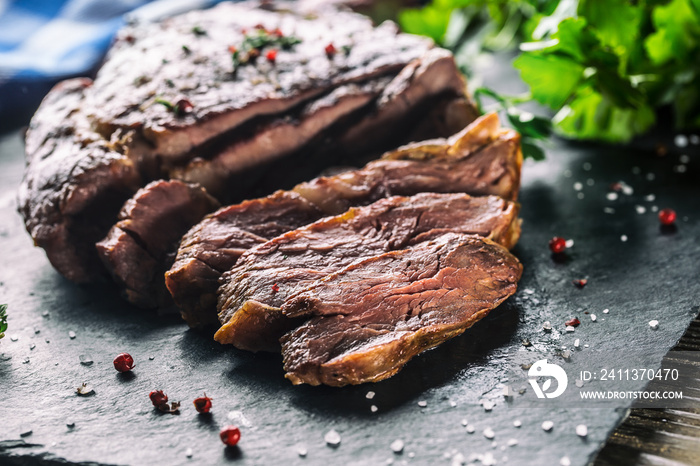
<point x="623" y="238"/>
<point x="570" y="329"/>
<point x="565" y="461"/>
<point x="581" y="430"/>
<point x="422" y="403"/>
<point x="512" y="442"/>
<point x="654" y="324"/>
<point x="471" y="429"/>
<point x="373" y="408"/>
<point x="578" y="186"/>
<point x="606" y="311"/>
<point x="593" y="318"/>
<point x="681" y="140"/>
<point x="640" y="209"/>
<point x="547" y="426"/>
<point x="517" y="423"/>
<point x="569" y="243"/>
<point x="577" y="343"/>
<point x="397" y="446"/>
<point x="612" y="196"/>
<point x="332" y="438"/>
<point x="369" y="395"/>
<point x="489" y="433"/>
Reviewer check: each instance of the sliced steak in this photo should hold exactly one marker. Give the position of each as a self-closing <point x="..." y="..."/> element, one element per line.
<point x="276" y="139"/>
<point x="211" y="247"/>
<point x="253" y="292"/>
<point x="370" y="318"/>
<point x="139" y="248"/>
<point x="74" y="184"/>
<point x="189" y="57"/>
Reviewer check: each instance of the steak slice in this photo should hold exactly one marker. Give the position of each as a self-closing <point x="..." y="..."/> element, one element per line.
<point x="276" y="139"/>
<point x="74" y="183"/>
<point x="370" y="318"/>
<point x="139" y="248"/>
<point x="189" y="58"/>
<point x="211" y="247"/>
<point x="253" y="292"/>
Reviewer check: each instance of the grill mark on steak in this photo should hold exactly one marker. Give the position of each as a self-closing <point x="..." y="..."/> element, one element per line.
<point x="139" y="248"/>
<point x="213" y="246"/>
<point x="265" y="277"/>
<point x="370" y="318"/>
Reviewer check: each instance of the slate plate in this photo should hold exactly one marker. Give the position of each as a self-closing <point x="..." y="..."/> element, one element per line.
<point x="651" y="275"/>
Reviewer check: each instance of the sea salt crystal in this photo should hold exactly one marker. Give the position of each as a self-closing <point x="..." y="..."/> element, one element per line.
<point x="654" y="208"/>
<point x="593" y="318"/>
<point x="369" y="395"/>
<point x="570" y="329"/>
<point x="188" y="453"/>
<point x="581" y="430"/>
<point x="577" y="343"/>
<point x="471" y="429"/>
<point x="623" y="238"/>
<point x="517" y="423"/>
<point x="488" y="405"/>
<point x="302" y="451"/>
<point x="608" y="210"/>
<point x="547" y="426"/>
<point x="488" y="459"/>
<point x="578" y="186"/>
<point x="585" y="346"/>
<point x="397" y="446"/>
<point x="71" y="335"/>
<point x="565" y="461"/>
<point x="489" y="433"/>
<point x="422" y="403"/>
<point x="640" y="209"/>
<point x="650" y="198"/>
<point x="566" y="354"/>
<point x="612" y="196"/>
<point x="654" y="324"/>
<point x="453" y="403"/>
<point x="681" y="140"/>
<point x="85" y="360"/>
<point x="464" y="422"/>
<point x="627" y="190"/>
<point x="373" y="408"/>
<point x="547" y="326"/>
<point x="606" y="311"/>
<point x="512" y="442"/>
<point x="14" y="338"/>
<point x="332" y="438"/>
<point x="569" y="243"/>
<point x="507" y="392"/>
<point x="45" y="314"/>
<point x="411" y="454"/>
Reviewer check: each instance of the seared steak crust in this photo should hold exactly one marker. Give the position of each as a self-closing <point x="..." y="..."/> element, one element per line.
<point x="200" y="68"/>
<point x="253" y="292"/>
<point x="370" y="318"/>
<point x="74" y="184"/>
<point x="139" y="248"/>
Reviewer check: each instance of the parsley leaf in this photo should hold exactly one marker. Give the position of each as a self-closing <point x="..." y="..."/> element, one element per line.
<point x="3" y="319"/>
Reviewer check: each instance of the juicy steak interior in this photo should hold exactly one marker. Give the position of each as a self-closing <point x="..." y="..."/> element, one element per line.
<point x="254" y="291"/>
<point x="481" y="159"/>
<point x="368" y="319"/>
<point x="92" y="145"/>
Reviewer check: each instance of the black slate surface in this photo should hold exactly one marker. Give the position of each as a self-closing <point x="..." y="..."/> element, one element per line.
<point x="652" y="275"/>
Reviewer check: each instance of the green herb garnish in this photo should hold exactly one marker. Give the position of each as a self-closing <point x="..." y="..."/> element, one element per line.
<point x="255" y="42"/>
<point x="3" y="319"/>
<point x="198" y="31"/>
<point x="603" y="68"/>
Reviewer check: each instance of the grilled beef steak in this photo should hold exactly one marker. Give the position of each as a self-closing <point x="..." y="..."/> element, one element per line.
<point x="211" y="247"/>
<point x="139" y="248"/>
<point x="481" y="159"/>
<point x="370" y="318"/>
<point x="187" y="99"/>
<point x="253" y="292"/>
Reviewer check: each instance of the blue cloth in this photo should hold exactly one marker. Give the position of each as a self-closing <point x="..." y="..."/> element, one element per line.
<point x="44" y="41"/>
